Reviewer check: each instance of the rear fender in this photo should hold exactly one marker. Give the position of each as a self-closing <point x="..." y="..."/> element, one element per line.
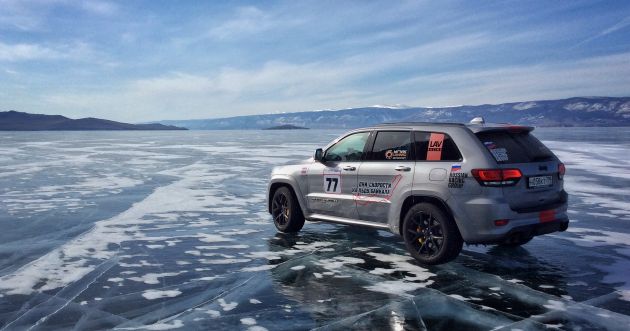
<point x="418" y="196"/>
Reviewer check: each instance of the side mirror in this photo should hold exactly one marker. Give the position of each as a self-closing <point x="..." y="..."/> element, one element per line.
<point x="319" y="155"/>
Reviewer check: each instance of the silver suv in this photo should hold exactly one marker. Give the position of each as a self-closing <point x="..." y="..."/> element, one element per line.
<point x="437" y="185"/>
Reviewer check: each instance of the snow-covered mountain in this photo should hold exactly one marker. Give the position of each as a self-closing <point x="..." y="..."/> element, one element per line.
<point x="579" y="111"/>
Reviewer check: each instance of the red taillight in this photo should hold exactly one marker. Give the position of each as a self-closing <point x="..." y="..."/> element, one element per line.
<point x="561" y="171"/>
<point x="497" y="177"/>
<point x="501" y="222"/>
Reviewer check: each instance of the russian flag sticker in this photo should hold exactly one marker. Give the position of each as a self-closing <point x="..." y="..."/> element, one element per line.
<point x="456" y="167"/>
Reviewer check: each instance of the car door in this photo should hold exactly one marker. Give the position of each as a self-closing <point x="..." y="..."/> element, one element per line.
<point x="332" y="181"/>
<point x="385" y="175"/>
<point x="440" y="169"/>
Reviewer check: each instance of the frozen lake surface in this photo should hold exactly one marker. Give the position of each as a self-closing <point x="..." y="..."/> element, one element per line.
<point x="168" y="230"/>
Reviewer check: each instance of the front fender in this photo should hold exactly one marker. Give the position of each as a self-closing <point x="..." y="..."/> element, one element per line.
<point x="293" y="184"/>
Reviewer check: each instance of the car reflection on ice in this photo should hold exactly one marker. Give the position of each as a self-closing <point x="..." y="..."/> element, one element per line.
<point x="362" y="279"/>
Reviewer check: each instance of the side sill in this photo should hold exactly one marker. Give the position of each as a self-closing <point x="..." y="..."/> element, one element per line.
<point x="347" y="221"/>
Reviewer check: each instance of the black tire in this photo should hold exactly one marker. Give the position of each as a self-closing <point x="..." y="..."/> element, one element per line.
<point x="431" y="236"/>
<point x="286" y="212"/>
<point x="516" y="241"/>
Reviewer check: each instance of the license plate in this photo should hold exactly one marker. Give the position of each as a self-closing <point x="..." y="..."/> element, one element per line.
<point x="540" y="181"/>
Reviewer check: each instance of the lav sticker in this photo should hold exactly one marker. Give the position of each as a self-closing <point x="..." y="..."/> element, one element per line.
<point x="436" y="142"/>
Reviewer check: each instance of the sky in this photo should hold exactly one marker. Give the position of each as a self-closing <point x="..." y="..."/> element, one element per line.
<point x="138" y="61"/>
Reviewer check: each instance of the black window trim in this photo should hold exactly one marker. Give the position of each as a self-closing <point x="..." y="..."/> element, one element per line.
<point x="461" y="157"/>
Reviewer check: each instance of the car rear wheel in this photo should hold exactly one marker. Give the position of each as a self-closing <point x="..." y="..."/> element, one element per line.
<point x="286" y="212"/>
<point x="430" y="235"/>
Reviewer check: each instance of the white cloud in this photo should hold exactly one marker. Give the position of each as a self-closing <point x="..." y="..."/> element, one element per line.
<point x="614" y="28"/>
<point x="277" y="86"/>
<point x="27" y="52"/>
<point x="602" y="76"/>
<point x="20" y="52"/>
<point x="33" y="15"/>
<point x="248" y="20"/>
<point x="104" y="8"/>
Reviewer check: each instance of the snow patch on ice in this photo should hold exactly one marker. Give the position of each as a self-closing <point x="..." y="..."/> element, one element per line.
<point x="248" y="321"/>
<point x="555" y="305"/>
<point x="211" y="238"/>
<point x="213" y="313"/>
<point x="223" y="261"/>
<point x="227" y="306"/>
<point x="157" y="326"/>
<point x="153" y="278"/>
<point x="259" y="268"/>
<point x="157" y="294"/>
<point x="417" y="277"/>
<point x="458" y="297"/>
<point x="397" y="287"/>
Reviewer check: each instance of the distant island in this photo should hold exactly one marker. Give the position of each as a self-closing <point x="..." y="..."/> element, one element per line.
<point x="286" y="127"/>
<point x="19" y="121"/>
<point x="578" y="111"/>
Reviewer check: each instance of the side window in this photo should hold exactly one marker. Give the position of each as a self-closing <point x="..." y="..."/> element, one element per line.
<point x="435" y="146"/>
<point x="349" y="148"/>
<point x="391" y="146"/>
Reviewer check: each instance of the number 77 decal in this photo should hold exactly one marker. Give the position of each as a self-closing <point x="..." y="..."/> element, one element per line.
<point x="332" y="183"/>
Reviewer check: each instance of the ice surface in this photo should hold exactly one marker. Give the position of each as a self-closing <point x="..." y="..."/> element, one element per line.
<point x="168" y="230"/>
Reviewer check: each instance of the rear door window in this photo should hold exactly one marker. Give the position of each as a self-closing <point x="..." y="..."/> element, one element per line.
<point x="435" y="146"/>
<point x="514" y="147"/>
<point x="391" y="146"/>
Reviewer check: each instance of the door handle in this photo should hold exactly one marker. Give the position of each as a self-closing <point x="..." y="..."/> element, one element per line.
<point x="349" y="168"/>
<point x="402" y="168"/>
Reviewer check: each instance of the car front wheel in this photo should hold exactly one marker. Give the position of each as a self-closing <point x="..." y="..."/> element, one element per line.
<point x="286" y="212"/>
<point x="431" y="236"/>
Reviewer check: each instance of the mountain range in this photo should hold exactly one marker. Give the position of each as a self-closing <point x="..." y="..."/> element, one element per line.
<point x="19" y="121"/>
<point x="578" y="111"/>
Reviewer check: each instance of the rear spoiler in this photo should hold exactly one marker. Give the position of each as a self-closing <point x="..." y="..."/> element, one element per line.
<point x="475" y="128"/>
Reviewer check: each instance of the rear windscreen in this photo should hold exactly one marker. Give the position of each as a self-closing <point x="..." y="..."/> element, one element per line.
<point x="514" y="147"/>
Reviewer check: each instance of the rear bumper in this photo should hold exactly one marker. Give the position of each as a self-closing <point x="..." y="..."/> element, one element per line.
<point x="532" y="230"/>
<point x="475" y="219"/>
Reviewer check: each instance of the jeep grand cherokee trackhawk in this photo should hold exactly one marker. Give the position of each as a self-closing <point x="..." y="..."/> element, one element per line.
<point x="438" y="185"/>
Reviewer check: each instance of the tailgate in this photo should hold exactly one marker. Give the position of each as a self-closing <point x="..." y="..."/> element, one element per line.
<point x="540" y="187"/>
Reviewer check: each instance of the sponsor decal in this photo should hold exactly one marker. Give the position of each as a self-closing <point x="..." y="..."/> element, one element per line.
<point x="500" y="154"/>
<point x="375" y="188"/>
<point x="324" y="200"/>
<point x="457" y="178"/>
<point x="396" y="154"/>
<point x="382" y="191"/>
<point x="436" y="143"/>
<point x="304" y="171"/>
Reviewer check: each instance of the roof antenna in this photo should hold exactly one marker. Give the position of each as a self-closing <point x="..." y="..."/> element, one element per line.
<point x="478" y="120"/>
